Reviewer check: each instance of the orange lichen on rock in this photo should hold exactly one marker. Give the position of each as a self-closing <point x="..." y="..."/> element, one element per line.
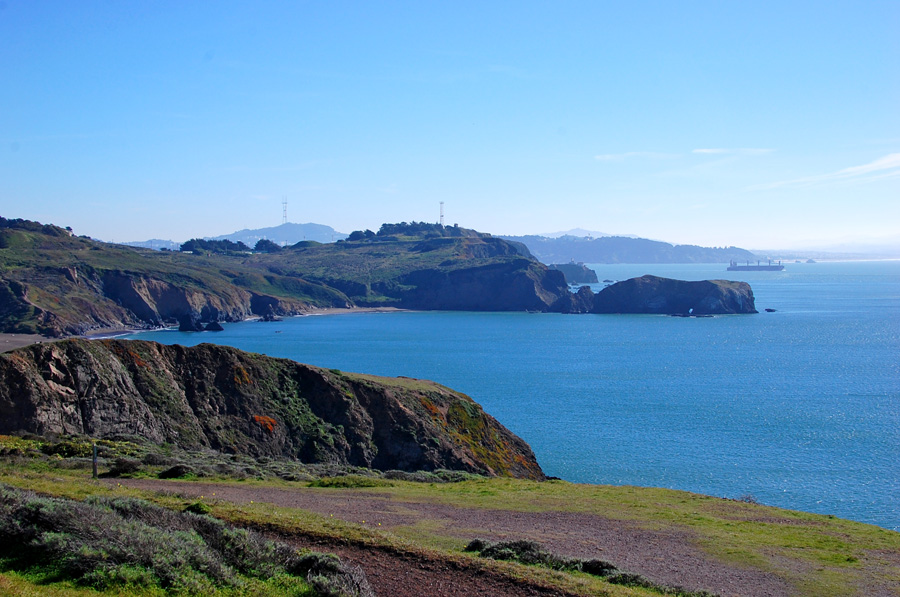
<point x="128" y="353"/>
<point x="241" y="376"/>
<point x="267" y="423"/>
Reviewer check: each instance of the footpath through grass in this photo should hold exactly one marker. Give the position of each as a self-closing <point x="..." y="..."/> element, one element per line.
<point x="812" y="554"/>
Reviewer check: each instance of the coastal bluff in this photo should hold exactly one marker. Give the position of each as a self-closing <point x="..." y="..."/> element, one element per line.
<point x="224" y="399"/>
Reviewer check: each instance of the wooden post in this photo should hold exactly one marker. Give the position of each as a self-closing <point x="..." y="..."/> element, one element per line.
<point x="95" y="461"/>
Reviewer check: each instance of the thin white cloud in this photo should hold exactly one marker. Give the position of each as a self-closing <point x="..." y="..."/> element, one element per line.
<point x="886" y="167"/>
<point x="617" y="157"/>
<point x="734" y="151"/>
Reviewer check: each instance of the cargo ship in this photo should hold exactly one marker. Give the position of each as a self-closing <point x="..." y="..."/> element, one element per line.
<point x="734" y="266"/>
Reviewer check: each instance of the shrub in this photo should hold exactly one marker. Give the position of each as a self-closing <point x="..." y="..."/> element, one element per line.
<point x="123" y="466"/>
<point x="531" y="553"/>
<point x="349" y="481"/>
<point x="177" y="471"/>
<point x="125" y="542"/>
<point x="154" y="459"/>
<point x="197" y="507"/>
<point x="68" y="448"/>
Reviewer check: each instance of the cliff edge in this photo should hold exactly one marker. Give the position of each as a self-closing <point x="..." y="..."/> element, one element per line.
<point x="232" y="401"/>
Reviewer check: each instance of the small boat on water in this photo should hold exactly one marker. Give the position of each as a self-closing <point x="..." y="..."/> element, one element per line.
<point x="734" y="266"/>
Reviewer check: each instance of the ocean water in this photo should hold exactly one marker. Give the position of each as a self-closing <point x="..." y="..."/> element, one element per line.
<point x="799" y="408"/>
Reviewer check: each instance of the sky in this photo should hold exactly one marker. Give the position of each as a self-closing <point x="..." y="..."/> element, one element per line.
<point x="752" y="124"/>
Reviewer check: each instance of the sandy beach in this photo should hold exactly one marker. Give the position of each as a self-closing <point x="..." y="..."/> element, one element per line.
<point x="12" y="341"/>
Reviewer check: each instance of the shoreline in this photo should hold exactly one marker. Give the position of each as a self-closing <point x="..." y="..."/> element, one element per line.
<point x="346" y="311"/>
<point x="10" y="342"/>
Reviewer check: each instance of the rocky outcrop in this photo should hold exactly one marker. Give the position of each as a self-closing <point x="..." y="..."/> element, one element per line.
<point x="576" y="273"/>
<point x="511" y="285"/>
<point x="651" y="294"/>
<point x="581" y="301"/>
<point x="224" y="399"/>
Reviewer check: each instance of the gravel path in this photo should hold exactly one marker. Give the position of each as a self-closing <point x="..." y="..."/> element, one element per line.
<point x="666" y="557"/>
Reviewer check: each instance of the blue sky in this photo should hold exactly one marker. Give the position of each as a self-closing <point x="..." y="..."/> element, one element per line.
<point x="761" y="125"/>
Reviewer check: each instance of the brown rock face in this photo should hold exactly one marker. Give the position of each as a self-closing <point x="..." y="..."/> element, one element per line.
<point x="229" y="400"/>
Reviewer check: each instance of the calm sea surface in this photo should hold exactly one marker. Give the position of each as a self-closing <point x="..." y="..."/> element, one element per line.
<point x="799" y="408"/>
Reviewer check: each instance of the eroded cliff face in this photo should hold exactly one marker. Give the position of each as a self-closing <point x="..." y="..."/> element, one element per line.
<point x="517" y="285"/>
<point x="225" y="399"/>
<point x="84" y="299"/>
<point x="652" y="294"/>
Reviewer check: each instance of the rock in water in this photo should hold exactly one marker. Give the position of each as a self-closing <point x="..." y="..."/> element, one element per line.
<point x="222" y="398"/>
<point x="652" y="294"/>
<point x="189" y="323"/>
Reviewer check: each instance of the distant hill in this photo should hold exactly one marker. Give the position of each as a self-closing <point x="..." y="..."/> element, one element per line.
<point x="619" y="249"/>
<point x="285" y="234"/>
<point x="154" y="243"/>
<point x="583" y="232"/>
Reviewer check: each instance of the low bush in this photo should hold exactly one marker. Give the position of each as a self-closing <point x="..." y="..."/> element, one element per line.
<point x="125" y="542"/>
<point x="176" y="472"/>
<point x="532" y="554"/>
<point x="197" y="507"/>
<point x="438" y="476"/>
<point x="350" y="481"/>
<point x="122" y="467"/>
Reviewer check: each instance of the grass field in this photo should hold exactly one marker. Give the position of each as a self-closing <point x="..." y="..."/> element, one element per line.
<point x="804" y="554"/>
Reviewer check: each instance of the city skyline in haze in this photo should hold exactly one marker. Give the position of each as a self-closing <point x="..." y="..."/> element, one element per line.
<point x="771" y="125"/>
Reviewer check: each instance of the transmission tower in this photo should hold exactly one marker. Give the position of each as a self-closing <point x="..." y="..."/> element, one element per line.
<point x="284" y="210"/>
<point x="442" y="213"/>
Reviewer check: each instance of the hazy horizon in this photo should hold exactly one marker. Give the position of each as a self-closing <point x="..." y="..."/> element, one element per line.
<point x="767" y="125"/>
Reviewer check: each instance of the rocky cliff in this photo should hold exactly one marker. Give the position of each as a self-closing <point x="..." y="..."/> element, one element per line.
<point x="576" y="273"/>
<point x="516" y="285"/>
<point x="651" y="294"/>
<point x="232" y="401"/>
<point x="57" y="284"/>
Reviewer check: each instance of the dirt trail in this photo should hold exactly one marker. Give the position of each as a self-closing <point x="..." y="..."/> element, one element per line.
<point x="668" y="558"/>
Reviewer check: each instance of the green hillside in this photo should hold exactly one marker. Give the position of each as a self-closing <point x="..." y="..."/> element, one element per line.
<point x="55" y="283"/>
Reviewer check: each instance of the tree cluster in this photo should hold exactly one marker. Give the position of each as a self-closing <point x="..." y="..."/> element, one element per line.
<point x="214" y="246"/>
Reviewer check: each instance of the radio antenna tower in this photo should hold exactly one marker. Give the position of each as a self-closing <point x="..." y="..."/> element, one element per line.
<point x="442" y="213"/>
<point x="284" y="210"/>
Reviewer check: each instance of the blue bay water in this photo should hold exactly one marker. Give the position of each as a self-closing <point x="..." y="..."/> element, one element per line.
<point x="799" y="408"/>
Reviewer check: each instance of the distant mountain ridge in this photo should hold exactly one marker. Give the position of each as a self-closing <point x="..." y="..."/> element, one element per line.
<point x="285" y="234"/>
<point x="619" y="249"/>
<point x="583" y="233"/>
